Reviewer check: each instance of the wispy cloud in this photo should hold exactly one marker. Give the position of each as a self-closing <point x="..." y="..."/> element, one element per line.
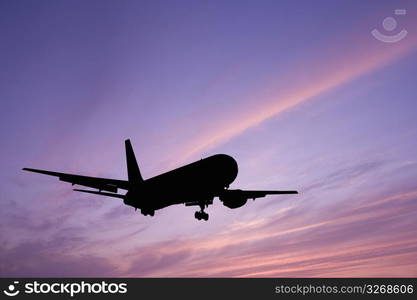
<point x="330" y="73"/>
<point x="352" y="237"/>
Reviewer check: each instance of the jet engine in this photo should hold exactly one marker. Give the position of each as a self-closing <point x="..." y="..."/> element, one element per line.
<point x="233" y="198"/>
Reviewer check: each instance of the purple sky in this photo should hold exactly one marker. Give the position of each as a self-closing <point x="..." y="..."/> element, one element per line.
<point x="299" y="92"/>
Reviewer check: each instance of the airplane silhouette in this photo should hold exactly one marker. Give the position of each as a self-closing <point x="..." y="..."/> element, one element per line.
<point x="196" y="184"/>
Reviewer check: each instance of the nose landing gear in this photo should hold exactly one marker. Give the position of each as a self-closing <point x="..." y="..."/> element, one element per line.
<point x="146" y="212"/>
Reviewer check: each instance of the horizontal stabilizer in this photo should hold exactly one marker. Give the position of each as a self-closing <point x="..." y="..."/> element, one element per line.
<point x="101" y="193"/>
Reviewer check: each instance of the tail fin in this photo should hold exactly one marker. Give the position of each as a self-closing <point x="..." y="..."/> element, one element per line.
<point x="133" y="172"/>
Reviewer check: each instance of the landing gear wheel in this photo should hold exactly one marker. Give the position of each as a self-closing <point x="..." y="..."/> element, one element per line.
<point x="197" y="215"/>
<point x="201" y="215"/>
<point x="146" y="212"/>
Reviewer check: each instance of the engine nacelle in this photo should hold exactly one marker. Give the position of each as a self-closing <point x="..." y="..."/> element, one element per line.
<point x="130" y="199"/>
<point x="233" y="199"/>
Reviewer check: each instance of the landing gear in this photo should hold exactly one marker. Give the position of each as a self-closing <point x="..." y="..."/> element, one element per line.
<point x="201" y="215"/>
<point x="146" y="212"/>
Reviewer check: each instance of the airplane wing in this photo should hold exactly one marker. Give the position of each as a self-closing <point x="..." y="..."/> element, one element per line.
<point x="260" y="194"/>
<point x="237" y="198"/>
<point x="253" y="194"/>
<point x="110" y="185"/>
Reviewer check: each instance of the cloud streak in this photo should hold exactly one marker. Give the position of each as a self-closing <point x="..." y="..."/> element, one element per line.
<point x="276" y="247"/>
<point x="340" y="69"/>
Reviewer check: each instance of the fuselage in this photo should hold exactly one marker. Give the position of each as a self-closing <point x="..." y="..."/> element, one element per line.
<point x="198" y="181"/>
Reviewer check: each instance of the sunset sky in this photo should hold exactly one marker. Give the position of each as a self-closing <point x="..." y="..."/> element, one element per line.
<point x="298" y="92"/>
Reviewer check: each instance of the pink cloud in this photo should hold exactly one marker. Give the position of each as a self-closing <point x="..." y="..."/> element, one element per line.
<point x="329" y="72"/>
<point x="361" y="241"/>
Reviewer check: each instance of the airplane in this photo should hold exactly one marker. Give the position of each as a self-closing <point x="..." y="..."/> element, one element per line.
<point x="195" y="184"/>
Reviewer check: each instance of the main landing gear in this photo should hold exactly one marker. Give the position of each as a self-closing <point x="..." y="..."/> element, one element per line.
<point x="201" y="215"/>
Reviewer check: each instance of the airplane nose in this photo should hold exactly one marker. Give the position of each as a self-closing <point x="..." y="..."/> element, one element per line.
<point x="233" y="166"/>
<point x="229" y="166"/>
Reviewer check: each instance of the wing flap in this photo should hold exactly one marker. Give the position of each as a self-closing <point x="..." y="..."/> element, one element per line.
<point x="90" y="183"/>
<point x="101" y="193"/>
